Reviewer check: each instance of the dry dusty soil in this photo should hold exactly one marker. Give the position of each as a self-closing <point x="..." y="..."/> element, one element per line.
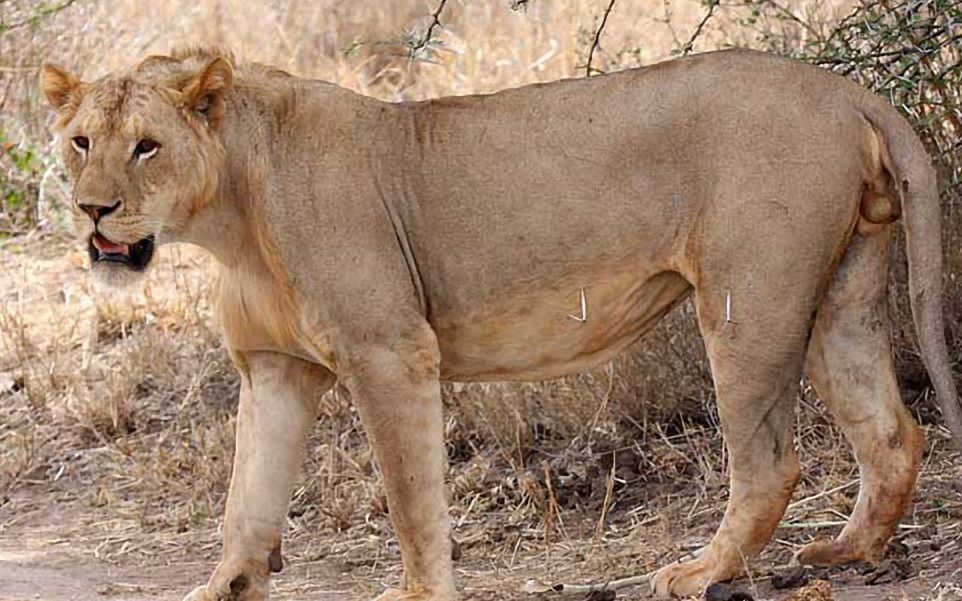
<point x="37" y="563"/>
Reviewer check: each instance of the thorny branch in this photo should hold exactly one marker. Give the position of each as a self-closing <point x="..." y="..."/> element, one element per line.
<point x="415" y="46"/>
<point x="787" y="13"/>
<point x="597" y="41"/>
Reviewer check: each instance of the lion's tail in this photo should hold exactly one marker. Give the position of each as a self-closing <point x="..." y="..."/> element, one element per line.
<point x="914" y="180"/>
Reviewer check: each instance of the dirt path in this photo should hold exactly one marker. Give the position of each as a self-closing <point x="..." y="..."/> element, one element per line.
<point x="58" y="576"/>
<point x="38" y="575"/>
<point x="34" y="576"/>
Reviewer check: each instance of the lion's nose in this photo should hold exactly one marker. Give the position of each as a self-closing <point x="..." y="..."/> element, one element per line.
<point x="97" y="212"/>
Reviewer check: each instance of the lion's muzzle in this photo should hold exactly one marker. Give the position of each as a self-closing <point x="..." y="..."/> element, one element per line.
<point x="133" y="256"/>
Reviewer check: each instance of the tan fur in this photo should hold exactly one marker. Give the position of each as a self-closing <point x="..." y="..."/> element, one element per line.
<point x="394" y="245"/>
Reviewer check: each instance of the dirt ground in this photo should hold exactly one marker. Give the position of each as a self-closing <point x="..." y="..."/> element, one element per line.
<point x="44" y="556"/>
<point x="37" y="566"/>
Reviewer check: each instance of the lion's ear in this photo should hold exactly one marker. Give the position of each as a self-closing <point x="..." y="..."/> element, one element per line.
<point x="205" y="94"/>
<point x="58" y="85"/>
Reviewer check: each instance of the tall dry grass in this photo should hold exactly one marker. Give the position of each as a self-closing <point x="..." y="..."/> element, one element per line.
<point x="122" y="408"/>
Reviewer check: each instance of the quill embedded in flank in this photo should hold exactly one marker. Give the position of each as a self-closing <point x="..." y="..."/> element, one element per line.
<point x="584" y="309"/>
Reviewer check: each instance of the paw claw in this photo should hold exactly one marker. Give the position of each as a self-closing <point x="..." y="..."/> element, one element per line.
<point x="826" y="553"/>
<point x="687" y="578"/>
<point x="198" y="594"/>
<point x="239" y="588"/>
<point x="393" y="594"/>
<point x="672" y="581"/>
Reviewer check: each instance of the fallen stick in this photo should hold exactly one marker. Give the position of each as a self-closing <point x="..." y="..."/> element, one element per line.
<point x="534" y="587"/>
<point x="824" y="493"/>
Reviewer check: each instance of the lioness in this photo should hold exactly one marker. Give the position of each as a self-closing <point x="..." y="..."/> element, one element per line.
<point x="391" y="246"/>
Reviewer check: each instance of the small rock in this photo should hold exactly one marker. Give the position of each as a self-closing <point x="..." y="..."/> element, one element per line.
<point x="890" y="570"/>
<point x="721" y="591"/>
<point x="793" y="577"/>
<point x="818" y="590"/>
<point x="601" y="596"/>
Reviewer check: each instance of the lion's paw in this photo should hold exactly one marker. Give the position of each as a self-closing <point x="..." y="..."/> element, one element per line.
<point x="393" y="594"/>
<point x="826" y="553"/>
<point x="198" y="594"/>
<point x="240" y="588"/>
<point x="687" y="579"/>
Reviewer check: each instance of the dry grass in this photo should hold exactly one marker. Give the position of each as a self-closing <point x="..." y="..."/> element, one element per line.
<point x="117" y="412"/>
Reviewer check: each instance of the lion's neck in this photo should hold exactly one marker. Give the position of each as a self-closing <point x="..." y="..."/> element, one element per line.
<point x="226" y="225"/>
<point x="222" y="226"/>
<point x="221" y="229"/>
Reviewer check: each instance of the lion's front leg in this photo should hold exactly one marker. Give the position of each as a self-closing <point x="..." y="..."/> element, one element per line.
<point x="398" y="396"/>
<point x="275" y="411"/>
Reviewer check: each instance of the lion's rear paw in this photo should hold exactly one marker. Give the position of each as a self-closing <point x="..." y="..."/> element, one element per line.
<point x="826" y="553"/>
<point x="688" y="578"/>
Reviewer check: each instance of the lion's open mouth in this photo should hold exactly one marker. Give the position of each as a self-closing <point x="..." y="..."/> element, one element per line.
<point x="134" y="256"/>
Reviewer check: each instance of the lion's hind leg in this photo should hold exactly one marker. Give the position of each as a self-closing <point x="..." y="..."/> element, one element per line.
<point x="757" y="350"/>
<point x="759" y="268"/>
<point x="850" y="366"/>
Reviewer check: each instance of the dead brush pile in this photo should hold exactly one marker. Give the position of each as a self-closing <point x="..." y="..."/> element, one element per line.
<point x="118" y="413"/>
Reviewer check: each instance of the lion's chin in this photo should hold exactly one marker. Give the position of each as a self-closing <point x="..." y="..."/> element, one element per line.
<point x="113" y="277"/>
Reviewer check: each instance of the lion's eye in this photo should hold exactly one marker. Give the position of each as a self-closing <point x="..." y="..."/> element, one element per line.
<point x="80" y="143"/>
<point x="146" y="148"/>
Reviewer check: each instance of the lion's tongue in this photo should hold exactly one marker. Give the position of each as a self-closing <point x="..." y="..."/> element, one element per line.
<point x="110" y="248"/>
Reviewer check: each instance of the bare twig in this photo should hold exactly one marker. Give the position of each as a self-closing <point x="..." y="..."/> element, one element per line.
<point x="552" y="509"/>
<point x="690" y="44"/>
<point x="787" y="13"/>
<point x="606" y="505"/>
<point x="417" y="45"/>
<point x="42" y="12"/>
<point x="580" y="589"/>
<point x="596" y="42"/>
<point x="824" y="493"/>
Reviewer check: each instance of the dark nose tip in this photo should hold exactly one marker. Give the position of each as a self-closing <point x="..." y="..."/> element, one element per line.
<point x="97" y="212"/>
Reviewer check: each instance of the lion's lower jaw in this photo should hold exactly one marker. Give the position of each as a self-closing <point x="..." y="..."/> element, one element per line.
<point x="110" y="278"/>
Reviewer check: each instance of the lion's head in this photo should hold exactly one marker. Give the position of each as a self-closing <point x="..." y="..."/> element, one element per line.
<point x="141" y="151"/>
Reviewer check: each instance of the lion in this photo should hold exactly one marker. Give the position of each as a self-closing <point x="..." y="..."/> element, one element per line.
<point x="524" y="235"/>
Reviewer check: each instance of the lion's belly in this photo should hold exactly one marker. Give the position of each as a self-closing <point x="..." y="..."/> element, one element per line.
<point x="547" y="334"/>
